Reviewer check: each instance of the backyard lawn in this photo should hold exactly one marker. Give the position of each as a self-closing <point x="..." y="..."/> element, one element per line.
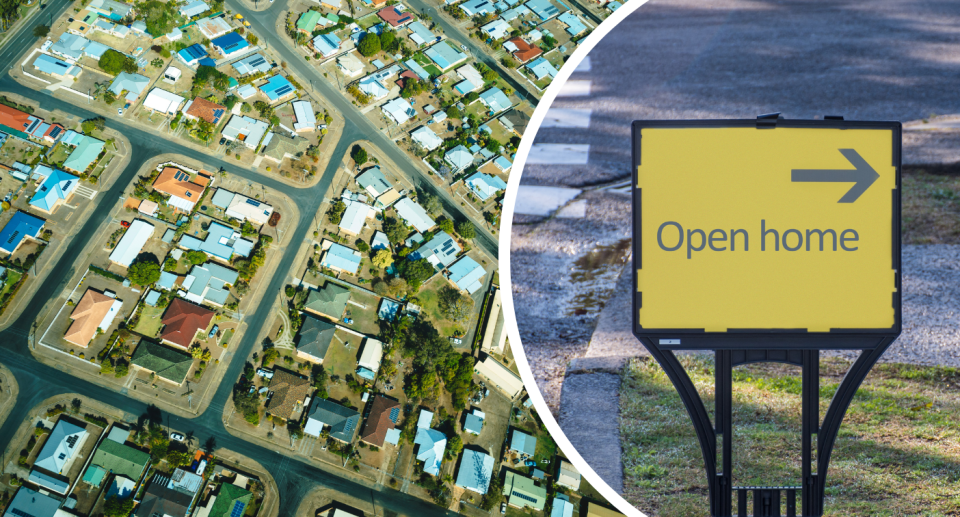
<point x="429" y="304"/>
<point x="149" y="322"/>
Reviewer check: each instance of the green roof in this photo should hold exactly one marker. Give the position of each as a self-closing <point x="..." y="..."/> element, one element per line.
<point x="227" y="498"/>
<point x="330" y="300"/>
<point x="308" y="21"/>
<point x="522" y="491"/>
<point x="94" y="475"/>
<point x="332" y="17"/>
<point x="121" y="459"/>
<point x="166" y="362"/>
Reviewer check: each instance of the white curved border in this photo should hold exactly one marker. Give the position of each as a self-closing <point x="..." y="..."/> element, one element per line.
<point x="506" y="229"/>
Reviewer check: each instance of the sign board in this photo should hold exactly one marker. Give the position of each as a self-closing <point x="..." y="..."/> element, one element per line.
<point x="748" y="228"/>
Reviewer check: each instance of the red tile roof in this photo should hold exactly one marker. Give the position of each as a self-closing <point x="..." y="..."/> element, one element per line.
<point x="525" y="51"/>
<point x="209" y="111"/>
<point x="182" y="321"/>
<point x="14" y="118"/>
<point x="379" y="422"/>
<point x="394" y="17"/>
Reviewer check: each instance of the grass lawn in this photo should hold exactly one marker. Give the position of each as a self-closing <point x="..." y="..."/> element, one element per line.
<point x="365" y="321"/>
<point x="429" y="303"/>
<point x="59" y="154"/>
<point x="11" y="280"/>
<point x="365" y="22"/>
<point x="341" y="360"/>
<point x="893" y="455"/>
<point x="149" y="322"/>
<point x="931" y="204"/>
<point x="225" y="340"/>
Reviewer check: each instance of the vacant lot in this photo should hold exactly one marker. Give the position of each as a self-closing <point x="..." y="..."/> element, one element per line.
<point x="896" y="453"/>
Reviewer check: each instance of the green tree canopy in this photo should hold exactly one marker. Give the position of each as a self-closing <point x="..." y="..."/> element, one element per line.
<point x="416" y="272"/>
<point x="466" y="229"/>
<point x="41" y="31"/>
<point x="113" y="62"/>
<point x="144" y="272"/>
<point x="382" y="258"/>
<point x="359" y="155"/>
<point x="395" y="229"/>
<point x="369" y="45"/>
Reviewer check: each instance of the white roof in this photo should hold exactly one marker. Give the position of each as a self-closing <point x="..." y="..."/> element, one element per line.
<point x="471" y="74"/>
<point x="213" y="27"/>
<point x="372" y="352"/>
<point x="306" y="118"/>
<point x="374" y="87"/>
<point x="427" y="138"/>
<point x="399" y="110"/>
<point x="244" y="208"/>
<point x="132" y="242"/>
<point x="414" y="215"/>
<point x="500" y="376"/>
<point x="350" y="64"/>
<point x="432" y="444"/>
<point x="355" y="216"/>
<point x="163" y="101"/>
<point x="497" y="28"/>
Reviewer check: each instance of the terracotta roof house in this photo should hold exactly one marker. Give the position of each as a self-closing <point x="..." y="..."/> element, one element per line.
<point x="94" y="310"/>
<point x="176" y="183"/>
<point x="330" y="301"/>
<point x="394" y="16"/>
<point x="314" y="339"/>
<point x="202" y="108"/>
<point x="168" y="363"/>
<point x="289" y="392"/>
<point x="384" y="414"/>
<point x="182" y="321"/>
<point x="524" y="51"/>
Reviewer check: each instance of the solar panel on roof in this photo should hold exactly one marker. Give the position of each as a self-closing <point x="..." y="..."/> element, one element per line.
<point x="283" y="90"/>
<point x="394" y="414"/>
<point x="253" y="202"/>
<point x="238" y="508"/>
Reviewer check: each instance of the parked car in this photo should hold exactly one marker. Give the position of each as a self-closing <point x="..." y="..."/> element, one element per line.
<point x="223" y="141"/>
<point x="503" y="507"/>
<point x="125" y="224"/>
<point x="120" y="111"/>
<point x="213" y="331"/>
<point x="456" y="341"/>
<point x="463" y="47"/>
<point x="177" y="437"/>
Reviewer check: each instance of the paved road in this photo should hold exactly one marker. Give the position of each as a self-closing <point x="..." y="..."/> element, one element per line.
<point x="264" y="23"/>
<point x="38" y="381"/>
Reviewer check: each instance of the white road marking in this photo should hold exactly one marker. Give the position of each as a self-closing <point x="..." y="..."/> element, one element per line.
<point x="575" y="88"/>
<point x="584" y="65"/>
<point x="561" y="117"/>
<point x="569" y="154"/>
<point x="543" y="201"/>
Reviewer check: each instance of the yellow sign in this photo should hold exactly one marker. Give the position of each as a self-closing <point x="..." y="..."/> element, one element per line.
<point x="780" y="228"/>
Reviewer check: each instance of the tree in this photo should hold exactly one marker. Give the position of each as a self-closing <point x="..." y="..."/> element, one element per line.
<point x="369" y="45"/>
<point x="453" y="304"/>
<point x="359" y="155"/>
<point x="93" y="124"/>
<point x="454" y="446"/>
<point x="160" y="17"/>
<point x="41" y="31"/>
<point x="388" y="41"/>
<point x="431" y="204"/>
<point x="382" y="258"/>
<point x="445" y="225"/>
<point x="196" y="257"/>
<point x="454" y="112"/>
<point x="416" y="272"/>
<point x="113" y="62"/>
<point x="493" y="146"/>
<point x="397" y="287"/>
<point x="466" y="229"/>
<point x="490" y="75"/>
<point x="336" y="210"/>
<point x="395" y="230"/>
<point x="115" y="506"/>
<point x="144" y="272"/>
<point x="156" y="63"/>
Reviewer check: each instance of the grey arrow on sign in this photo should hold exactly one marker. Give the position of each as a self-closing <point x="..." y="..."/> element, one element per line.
<point x="862" y="175"/>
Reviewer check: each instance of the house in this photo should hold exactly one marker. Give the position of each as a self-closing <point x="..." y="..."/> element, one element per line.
<point x="543" y="9"/>
<point x="184" y="192"/>
<point x="562" y="507"/>
<point x="441" y="250"/>
<point x="121" y="487"/>
<point x="426" y="138"/>
<point x="277" y="87"/>
<point x="494" y="335"/>
<point x="522" y="492"/>
<point x="573" y="23"/>
<point x="444" y="55"/>
<point x="495" y="99"/>
<point x="29" y="502"/>
<point x="69" y="46"/>
<point x="485" y="185"/>
<point x="65" y="440"/>
<point x="496" y="29"/>
<point x="86" y="151"/>
<point x="308" y="21"/>
<point x="95" y="311"/>
<point x="167" y="363"/>
<point x="165" y="497"/>
<point x="314" y="338"/>
<point x="200" y="108"/>
<point x="24" y="126"/>
<point x="55" y="483"/>
<point x="195" y="8"/>
<point x="379" y="241"/>
<point x="350" y="64"/>
<point x="522" y="443"/>
<point x="568" y="475"/>
<point x="306" y="117"/>
<point x="288" y="393"/>
<point x="277" y="146"/>
<point x="112" y="9"/>
<point x="420" y="34"/>
<point x="210" y="283"/>
<point x="241" y="207"/>
<point x="431" y="443"/>
<point x="55" y="67"/>
<point x="192" y="55"/>
<point x="172" y="74"/>
<point x="417" y="69"/>
<point x="132" y="242"/>
<point x="341" y="258"/>
<point x="466" y="275"/>
<point x="476" y="7"/>
<point x="499" y="376"/>
<point x="476" y="470"/>
<point x="222" y="242"/>
<point x="502" y="163"/>
<point x="248" y="130"/>
<point x="326" y="44"/>
<point x="515" y="121"/>
<point x="394" y="16"/>
<point x="381" y="426"/>
<point x="182" y="321"/>
<point x="21" y="226"/>
<point x="374" y="182"/>
<point x="522" y="50"/>
<point x="133" y="84"/>
<point x="355" y="216"/>
<point x="330" y="301"/>
<point x="121" y="459"/>
<point x="82" y="23"/>
<point x="174" y="35"/>
<point x="162" y="101"/>
<point x="473" y="422"/>
<point x="542" y="68"/>
<point x="399" y="110"/>
<point x="470" y="74"/>
<point x="374" y="86"/>
<point x="369" y="363"/>
<point x="414" y="215"/>
<point x="55" y="190"/>
<point x="251" y="64"/>
<point x="230" y="44"/>
<point x="459" y="158"/>
<point x="343" y="421"/>
<point x="230" y="501"/>
<point x="213" y="28"/>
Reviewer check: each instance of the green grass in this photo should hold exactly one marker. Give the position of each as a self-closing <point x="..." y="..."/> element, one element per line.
<point x="893" y="456"/>
<point x="931" y="204"/>
<point x="428" y="302"/>
<point x="225" y="339"/>
<point x="339" y="359"/>
<point x="11" y="280"/>
<point x="149" y="323"/>
<point x="365" y="22"/>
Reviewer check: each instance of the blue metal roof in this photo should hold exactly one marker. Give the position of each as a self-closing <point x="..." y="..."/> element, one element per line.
<point x="58" y="185"/>
<point x="53" y="66"/>
<point x="276" y="87"/>
<point x="230" y="42"/>
<point x="192" y="53"/>
<point x="341" y="257"/>
<point x="21" y="225"/>
<point x="466" y="273"/>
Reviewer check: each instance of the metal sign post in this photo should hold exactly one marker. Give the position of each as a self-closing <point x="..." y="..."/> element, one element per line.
<point x="767" y="240"/>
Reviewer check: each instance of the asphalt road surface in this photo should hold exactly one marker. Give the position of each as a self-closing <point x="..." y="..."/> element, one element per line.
<point x="38" y="381"/>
